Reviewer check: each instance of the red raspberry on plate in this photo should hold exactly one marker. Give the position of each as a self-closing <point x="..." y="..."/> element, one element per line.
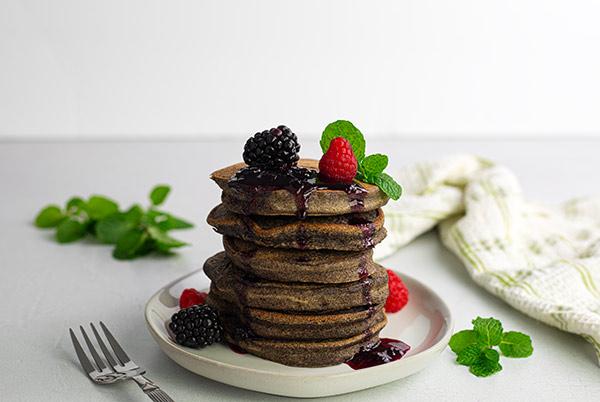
<point x="191" y="297"/>
<point x="398" y="296"/>
<point x="338" y="164"/>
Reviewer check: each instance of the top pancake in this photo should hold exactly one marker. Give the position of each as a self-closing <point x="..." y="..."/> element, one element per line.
<point x="283" y="202"/>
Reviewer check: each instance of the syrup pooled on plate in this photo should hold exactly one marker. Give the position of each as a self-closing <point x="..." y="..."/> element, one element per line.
<point x="386" y="351"/>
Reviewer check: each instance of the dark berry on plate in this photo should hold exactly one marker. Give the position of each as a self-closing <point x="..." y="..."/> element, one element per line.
<point x="398" y="296"/>
<point x="190" y="297"/>
<point x="276" y="148"/>
<point x="196" y="327"/>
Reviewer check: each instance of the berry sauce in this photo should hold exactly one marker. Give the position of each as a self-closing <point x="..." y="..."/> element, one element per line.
<point x="302" y="238"/>
<point x="237" y="349"/>
<point x="362" y="270"/>
<point x="387" y="350"/>
<point x="365" y="284"/>
<point x="300" y="182"/>
<point x="368" y="230"/>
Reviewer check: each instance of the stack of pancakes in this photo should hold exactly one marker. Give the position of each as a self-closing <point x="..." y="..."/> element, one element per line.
<point x="298" y="289"/>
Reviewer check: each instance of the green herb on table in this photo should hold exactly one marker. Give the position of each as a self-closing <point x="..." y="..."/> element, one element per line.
<point x="371" y="167"/>
<point x="134" y="232"/>
<point x="475" y="348"/>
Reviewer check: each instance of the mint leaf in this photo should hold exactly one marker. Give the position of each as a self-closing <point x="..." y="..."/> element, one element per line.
<point x="468" y="355"/>
<point x="374" y="164"/>
<point x="99" y="207"/>
<point x="489" y="330"/>
<point x="147" y="247"/>
<point x="110" y="229"/>
<point x="388" y="185"/>
<point x="173" y="222"/>
<point x="345" y="129"/>
<point x="516" y="344"/>
<point x="49" y="217"/>
<point x="484" y="367"/>
<point x="129" y="243"/>
<point x="75" y="205"/>
<point x="492" y="354"/>
<point x="134" y="214"/>
<point x="164" y="241"/>
<point x="159" y="194"/>
<point x="462" y="339"/>
<point x="165" y="221"/>
<point x="70" y="230"/>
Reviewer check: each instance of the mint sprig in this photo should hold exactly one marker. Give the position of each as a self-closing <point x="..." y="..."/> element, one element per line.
<point x="371" y="167"/>
<point x="345" y="129"/>
<point x="475" y="348"/>
<point x="134" y="232"/>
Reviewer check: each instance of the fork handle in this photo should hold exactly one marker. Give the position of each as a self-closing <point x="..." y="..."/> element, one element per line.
<point x="151" y="389"/>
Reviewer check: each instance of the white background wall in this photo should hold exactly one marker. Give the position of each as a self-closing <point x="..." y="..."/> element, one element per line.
<point x="148" y="68"/>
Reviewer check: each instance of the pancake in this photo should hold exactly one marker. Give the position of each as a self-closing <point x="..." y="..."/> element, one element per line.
<point x="293" y="265"/>
<point x="301" y="353"/>
<point x="288" y="325"/>
<point x="352" y="232"/>
<point x="277" y="201"/>
<point x="234" y="286"/>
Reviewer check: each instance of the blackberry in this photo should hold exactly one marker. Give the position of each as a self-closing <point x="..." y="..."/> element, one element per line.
<point x="196" y="327"/>
<point x="276" y="148"/>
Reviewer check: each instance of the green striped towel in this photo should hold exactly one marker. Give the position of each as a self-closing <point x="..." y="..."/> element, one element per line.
<point x="543" y="261"/>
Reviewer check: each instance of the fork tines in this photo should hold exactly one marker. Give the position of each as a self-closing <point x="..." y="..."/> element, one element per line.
<point x="116" y="360"/>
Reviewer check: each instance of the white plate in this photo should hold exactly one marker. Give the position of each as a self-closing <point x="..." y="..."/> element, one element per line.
<point x="425" y="324"/>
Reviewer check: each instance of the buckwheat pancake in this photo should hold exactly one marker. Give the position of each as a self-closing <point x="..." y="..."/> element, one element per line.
<point x="301" y="353"/>
<point x="294" y="265"/>
<point x="234" y="286"/>
<point x="305" y="326"/>
<point x="322" y="201"/>
<point x="351" y="232"/>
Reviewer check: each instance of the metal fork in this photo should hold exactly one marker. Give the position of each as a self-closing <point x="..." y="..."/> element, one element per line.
<point x="118" y="366"/>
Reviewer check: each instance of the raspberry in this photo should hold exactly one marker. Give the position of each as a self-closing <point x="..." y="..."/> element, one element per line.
<point x="191" y="297"/>
<point x="398" y="296"/>
<point x="339" y="164"/>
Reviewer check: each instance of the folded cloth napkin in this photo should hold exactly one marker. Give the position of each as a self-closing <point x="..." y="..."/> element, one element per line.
<point x="544" y="262"/>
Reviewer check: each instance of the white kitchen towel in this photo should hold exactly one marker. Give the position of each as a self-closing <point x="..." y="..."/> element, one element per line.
<point x="543" y="261"/>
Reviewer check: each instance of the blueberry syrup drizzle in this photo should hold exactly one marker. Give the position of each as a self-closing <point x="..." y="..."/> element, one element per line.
<point x="367" y="228"/>
<point x="362" y="270"/>
<point x="386" y="351"/>
<point x="237" y="349"/>
<point x="302" y="237"/>
<point x="365" y="283"/>
<point x="300" y="182"/>
<point x="357" y="200"/>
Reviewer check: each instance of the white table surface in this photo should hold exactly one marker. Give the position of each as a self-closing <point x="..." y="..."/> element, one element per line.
<point x="45" y="287"/>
